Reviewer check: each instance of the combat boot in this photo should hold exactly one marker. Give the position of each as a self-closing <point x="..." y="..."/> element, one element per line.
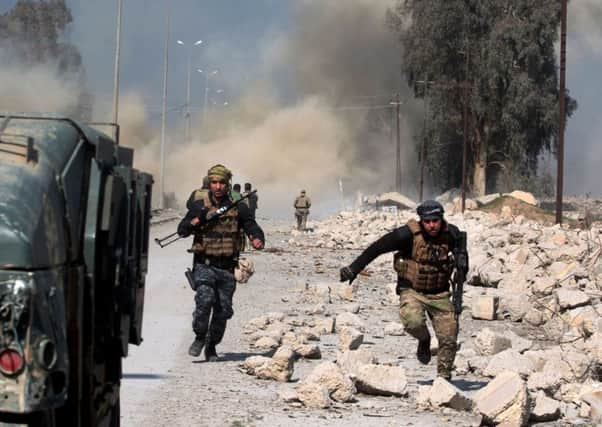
<point x="210" y="353"/>
<point x="423" y="353"/>
<point x="196" y="347"/>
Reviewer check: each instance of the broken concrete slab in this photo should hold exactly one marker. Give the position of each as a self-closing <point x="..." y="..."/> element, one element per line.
<point x="509" y="360"/>
<point x="382" y="380"/>
<point x="504" y="400"/>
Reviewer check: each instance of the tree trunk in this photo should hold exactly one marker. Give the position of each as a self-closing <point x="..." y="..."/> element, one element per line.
<point x="479" y="149"/>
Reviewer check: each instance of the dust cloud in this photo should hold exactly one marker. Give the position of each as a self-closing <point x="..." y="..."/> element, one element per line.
<point x="332" y="126"/>
<point x="35" y="88"/>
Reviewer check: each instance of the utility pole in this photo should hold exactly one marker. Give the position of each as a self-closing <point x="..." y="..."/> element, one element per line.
<point x="397" y="103"/>
<point x="164" y="114"/>
<point x="426" y="82"/>
<point x="116" y="70"/>
<point x="560" y="172"/>
<point x="465" y="132"/>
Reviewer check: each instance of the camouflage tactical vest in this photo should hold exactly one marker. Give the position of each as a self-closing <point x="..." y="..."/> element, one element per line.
<point x="431" y="265"/>
<point x="222" y="238"/>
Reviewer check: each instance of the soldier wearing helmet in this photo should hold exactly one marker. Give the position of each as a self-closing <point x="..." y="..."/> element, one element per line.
<point x="424" y="265"/>
<point x="216" y="248"/>
<point x="302" y="204"/>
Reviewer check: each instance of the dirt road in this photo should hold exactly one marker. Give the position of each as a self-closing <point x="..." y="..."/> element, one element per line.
<point x="163" y="386"/>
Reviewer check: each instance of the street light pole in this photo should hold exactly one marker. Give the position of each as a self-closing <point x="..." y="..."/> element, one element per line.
<point x="164" y="115"/>
<point x="206" y="99"/>
<point x="116" y="70"/>
<point x="397" y="103"/>
<point x="187" y="114"/>
<point x="188" y="99"/>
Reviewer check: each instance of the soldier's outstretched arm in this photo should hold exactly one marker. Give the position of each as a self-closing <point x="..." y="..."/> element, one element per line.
<point x="398" y="239"/>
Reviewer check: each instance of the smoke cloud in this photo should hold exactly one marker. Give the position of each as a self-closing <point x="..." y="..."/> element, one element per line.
<point x="36" y="88"/>
<point x="328" y="122"/>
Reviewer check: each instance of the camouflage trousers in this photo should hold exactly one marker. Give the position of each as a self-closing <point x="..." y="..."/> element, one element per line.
<point x="415" y="306"/>
<point x="214" y="292"/>
<point x="301" y="216"/>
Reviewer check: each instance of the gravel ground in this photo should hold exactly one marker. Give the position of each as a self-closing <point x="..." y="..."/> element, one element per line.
<point x="163" y="386"/>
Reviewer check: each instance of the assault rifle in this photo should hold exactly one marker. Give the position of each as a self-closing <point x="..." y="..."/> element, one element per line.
<point x="211" y="218"/>
<point x="461" y="267"/>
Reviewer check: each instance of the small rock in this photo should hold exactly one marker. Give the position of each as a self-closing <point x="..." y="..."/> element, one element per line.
<point x="488" y="343"/>
<point x="571" y="298"/>
<point x="308" y="351"/>
<point x="350" y="339"/>
<point x="394" y="329"/>
<point x="351" y="360"/>
<point x="485" y="307"/>
<point x="545" y="409"/>
<point x="382" y="380"/>
<point x="349" y="320"/>
<point x="339" y="385"/>
<point x="443" y="393"/>
<point x="313" y="395"/>
<point x="288" y="396"/>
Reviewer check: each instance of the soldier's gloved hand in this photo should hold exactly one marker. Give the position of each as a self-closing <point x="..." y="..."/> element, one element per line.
<point x="348" y="274"/>
<point x="199" y="216"/>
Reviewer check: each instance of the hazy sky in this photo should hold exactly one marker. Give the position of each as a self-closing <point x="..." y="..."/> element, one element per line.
<point x="236" y="32"/>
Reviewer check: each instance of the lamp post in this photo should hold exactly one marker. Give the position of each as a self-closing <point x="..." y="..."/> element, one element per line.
<point x="164" y="115"/>
<point x="116" y="70"/>
<point x="187" y="114"/>
<point x="397" y="103"/>
<point x="207" y="75"/>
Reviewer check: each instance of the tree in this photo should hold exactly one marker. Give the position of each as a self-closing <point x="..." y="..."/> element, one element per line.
<point x="499" y="58"/>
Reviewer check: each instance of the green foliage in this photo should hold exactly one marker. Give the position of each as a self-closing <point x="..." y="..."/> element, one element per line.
<point x="503" y="52"/>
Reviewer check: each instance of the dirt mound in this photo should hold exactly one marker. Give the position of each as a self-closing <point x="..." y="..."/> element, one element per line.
<point x="518" y="207"/>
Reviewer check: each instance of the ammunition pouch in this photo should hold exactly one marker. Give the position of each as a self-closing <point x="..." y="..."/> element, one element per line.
<point x="224" y="263"/>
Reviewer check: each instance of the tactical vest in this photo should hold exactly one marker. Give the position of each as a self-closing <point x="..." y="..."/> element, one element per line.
<point x="430" y="267"/>
<point x="301" y="202"/>
<point x="222" y="238"/>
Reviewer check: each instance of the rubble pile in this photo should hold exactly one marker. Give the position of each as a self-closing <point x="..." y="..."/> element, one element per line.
<point x="543" y="281"/>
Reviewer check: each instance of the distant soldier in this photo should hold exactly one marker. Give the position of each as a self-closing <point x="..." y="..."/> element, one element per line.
<point x="199" y="193"/>
<point x="302" y="205"/>
<point x="251" y="200"/>
<point x="216" y="226"/>
<point x="424" y="263"/>
<point x="235" y="192"/>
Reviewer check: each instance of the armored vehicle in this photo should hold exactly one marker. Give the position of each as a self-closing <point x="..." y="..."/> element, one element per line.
<point x="74" y="229"/>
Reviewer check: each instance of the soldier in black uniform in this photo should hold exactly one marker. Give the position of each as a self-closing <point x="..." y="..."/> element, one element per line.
<point x="424" y="264"/>
<point x="216" y="248"/>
